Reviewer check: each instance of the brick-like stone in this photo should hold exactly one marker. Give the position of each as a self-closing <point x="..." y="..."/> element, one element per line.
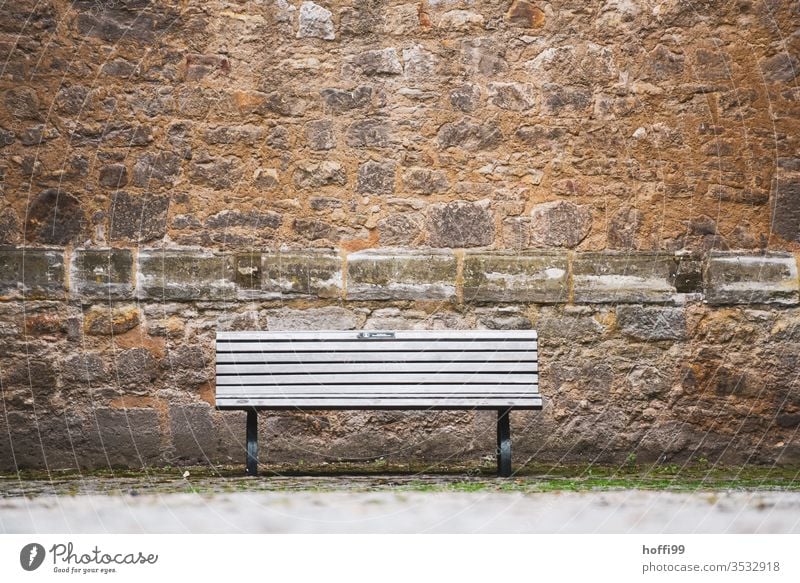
<point x="129" y="437"/>
<point x="110" y="321"/>
<point x="318" y="174"/>
<point x="102" y="273"/>
<point x="193" y="436"/>
<point x="136" y="369"/>
<point x="752" y="279"/>
<point x="652" y="323"/>
<point x="624" y="278"/>
<point x="400" y="229"/>
<point x="368" y="133"/>
<point x="512" y="96"/>
<point x="341" y="100"/>
<point x="469" y="136"/>
<point x="378" y="62"/>
<point x="315" y="21"/>
<point x="31" y="273"/>
<point x="516" y="277"/>
<point x="425" y="181"/>
<point x="785" y="206"/>
<point x="152" y="170"/>
<point x="184" y="275"/>
<point x="390" y="274"/>
<point x="113" y="176"/>
<point x="376" y="177"/>
<point x="137" y="218"/>
<point x="559" y="224"/>
<point x="55" y="217"/>
<point x="316" y="319"/>
<point x="320" y="134"/>
<point x="302" y="273"/>
<point x="460" y="224"/>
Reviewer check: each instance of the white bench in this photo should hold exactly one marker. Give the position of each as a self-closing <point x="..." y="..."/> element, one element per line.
<point x="437" y="369"/>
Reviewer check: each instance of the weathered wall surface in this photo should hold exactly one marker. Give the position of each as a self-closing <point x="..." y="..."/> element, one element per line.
<point x="622" y="176"/>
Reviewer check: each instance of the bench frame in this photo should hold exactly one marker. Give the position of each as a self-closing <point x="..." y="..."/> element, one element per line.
<point x="503" y="425"/>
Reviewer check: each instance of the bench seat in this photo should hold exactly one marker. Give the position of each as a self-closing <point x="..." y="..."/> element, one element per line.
<point x="432" y="369"/>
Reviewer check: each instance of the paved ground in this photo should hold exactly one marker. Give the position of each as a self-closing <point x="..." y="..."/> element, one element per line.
<point x="629" y="511"/>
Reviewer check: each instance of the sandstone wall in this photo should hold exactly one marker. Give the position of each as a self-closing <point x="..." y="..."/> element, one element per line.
<point x="623" y="176"/>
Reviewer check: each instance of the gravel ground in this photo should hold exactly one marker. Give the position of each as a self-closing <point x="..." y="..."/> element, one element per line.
<point x="627" y="511"/>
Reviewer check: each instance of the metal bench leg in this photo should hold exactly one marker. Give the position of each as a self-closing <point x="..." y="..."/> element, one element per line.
<point x="252" y="442"/>
<point x="503" y="443"/>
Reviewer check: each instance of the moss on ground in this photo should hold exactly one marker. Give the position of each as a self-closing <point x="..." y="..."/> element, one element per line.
<point x="381" y="475"/>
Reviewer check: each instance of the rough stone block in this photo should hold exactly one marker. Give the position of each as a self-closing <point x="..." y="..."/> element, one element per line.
<point x="624" y="278"/>
<point x="652" y="323"/>
<point x="752" y="279"/>
<point x="302" y="273"/>
<point x="460" y="224"/>
<point x="122" y="438"/>
<point x="184" y="275"/>
<point x="389" y="274"/>
<point x="192" y="432"/>
<point x="102" y="273"/>
<point x="31" y="273"/>
<point x="496" y="277"/>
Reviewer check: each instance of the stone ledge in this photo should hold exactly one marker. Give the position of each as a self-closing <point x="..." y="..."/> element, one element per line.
<point x="184" y="275"/>
<point x="753" y="279"/>
<point x="392" y="274"/>
<point x="612" y="278"/>
<point x="302" y="273"/>
<point x="540" y="277"/>
<point x="102" y="274"/>
<point x="31" y="273"/>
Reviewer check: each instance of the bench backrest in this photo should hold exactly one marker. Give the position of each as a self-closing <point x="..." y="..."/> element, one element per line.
<point x="436" y="369"/>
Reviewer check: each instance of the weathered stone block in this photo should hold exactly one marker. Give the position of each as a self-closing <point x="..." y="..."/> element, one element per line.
<point x="31" y="273"/>
<point x="128" y="437"/>
<point x="54" y="217"/>
<point x="469" y="136"/>
<point x="137" y="218"/>
<point x="302" y="273"/>
<point x="624" y="278"/>
<point x="184" y="275"/>
<point x="376" y="177"/>
<point x="103" y="321"/>
<point x="785" y="206"/>
<point x="390" y="274"/>
<point x="559" y="224"/>
<point x="496" y="277"/>
<point x="315" y="175"/>
<point x="460" y="224"/>
<point x="328" y="318"/>
<point x="247" y="273"/>
<point x="652" y="323"/>
<point x="136" y="369"/>
<point x="368" y="133"/>
<point x="752" y="279"/>
<point x="102" y="273"/>
<point x="425" y="181"/>
<point x="315" y="21"/>
<point x="193" y="436"/>
<point x="320" y="135"/>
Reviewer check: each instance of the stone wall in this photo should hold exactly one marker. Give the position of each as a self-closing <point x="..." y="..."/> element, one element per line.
<point x="622" y="176"/>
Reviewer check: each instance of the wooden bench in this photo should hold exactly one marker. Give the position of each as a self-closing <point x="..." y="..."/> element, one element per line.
<point x="439" y="369"/>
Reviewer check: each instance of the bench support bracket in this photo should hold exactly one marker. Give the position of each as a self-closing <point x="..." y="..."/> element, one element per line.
<point x="252" y="442"/>
<point x="503" y="443"/>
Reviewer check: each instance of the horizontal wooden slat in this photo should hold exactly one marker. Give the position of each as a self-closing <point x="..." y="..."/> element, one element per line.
<point x="396" y="390"/>
<point x="375" y="346"/>
<point x="333" y="357"/>
<point x="398" y="334"/>
<point x="445" y="403"/>
<point x="422" y="378"/>
<point x="399" y="367"/>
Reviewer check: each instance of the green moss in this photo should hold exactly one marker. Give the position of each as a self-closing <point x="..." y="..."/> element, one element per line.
<point x="382" y="475"/>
